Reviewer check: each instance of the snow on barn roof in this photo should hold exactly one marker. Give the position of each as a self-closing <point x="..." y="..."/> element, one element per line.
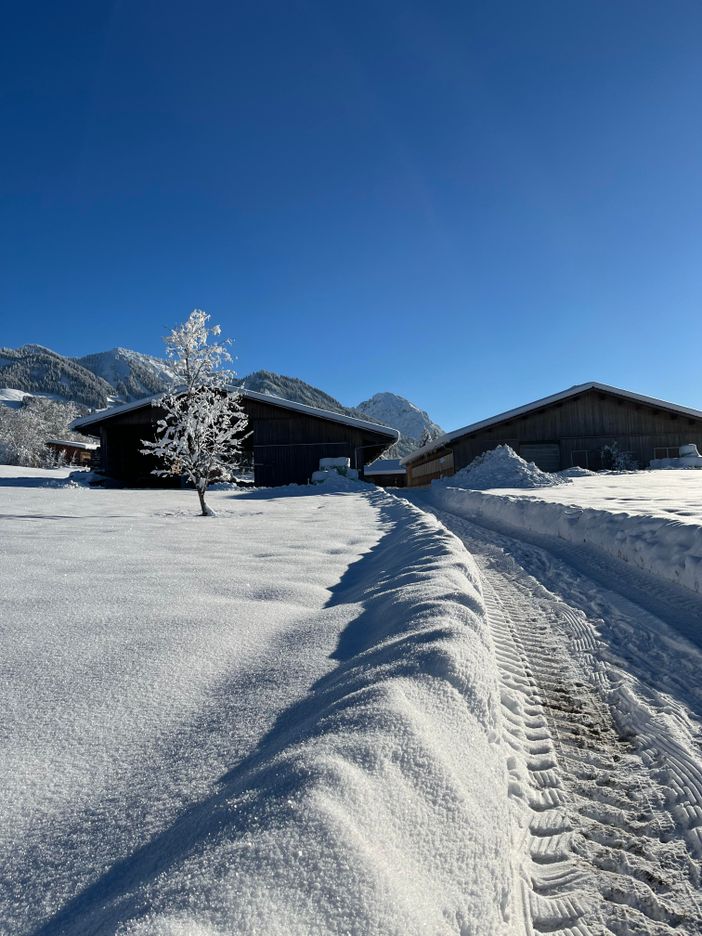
<point x="385" y="466"/>
<point x="547" y="401"/>
<point x="101" y="415"/>
<point x="89" y="446"/>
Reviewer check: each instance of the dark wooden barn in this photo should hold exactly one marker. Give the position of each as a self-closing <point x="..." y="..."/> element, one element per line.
<point x="564" y="430"/>
<point x="286" y="443"/>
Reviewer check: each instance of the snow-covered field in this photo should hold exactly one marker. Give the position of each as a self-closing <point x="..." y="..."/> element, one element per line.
<point x="280" y="720"/>
<point x="330" y="710"/>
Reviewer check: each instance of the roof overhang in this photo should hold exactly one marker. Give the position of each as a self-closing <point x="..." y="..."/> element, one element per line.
<point x="90" y="424"/>
<point x="448" y="437"/>
<point x="89" y="446"/>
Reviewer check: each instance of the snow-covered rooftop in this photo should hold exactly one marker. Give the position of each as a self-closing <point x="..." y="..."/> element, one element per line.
<point x="547" y="401"/>
<point x="91" y="446"/>
<point x="100" y="415"/>
<point x="385" y="466"/>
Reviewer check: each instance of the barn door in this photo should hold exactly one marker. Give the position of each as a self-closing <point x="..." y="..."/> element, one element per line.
<point x="546" y="455"/>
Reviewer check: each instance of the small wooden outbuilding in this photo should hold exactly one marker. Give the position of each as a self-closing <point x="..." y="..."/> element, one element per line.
<point x="386" y="472"/>
<point x="567" y="429"/>
<point x="287" y="439"/>
<point x="73" y="451"/>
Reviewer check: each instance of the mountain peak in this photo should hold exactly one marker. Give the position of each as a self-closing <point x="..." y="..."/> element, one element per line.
<point x="396" y="411"/>
<point x="121" y="374"/>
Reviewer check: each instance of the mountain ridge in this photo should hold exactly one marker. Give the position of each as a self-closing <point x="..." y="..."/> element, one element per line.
<point x="122" y="375"/>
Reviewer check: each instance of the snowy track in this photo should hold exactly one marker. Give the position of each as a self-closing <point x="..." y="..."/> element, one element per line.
<point x="605" y="769"/>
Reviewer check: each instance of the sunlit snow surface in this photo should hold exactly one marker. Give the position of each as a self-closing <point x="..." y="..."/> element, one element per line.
<point x="650" y="519"/>
<point x="281" y="720"/>
<point x="674" y="494"/>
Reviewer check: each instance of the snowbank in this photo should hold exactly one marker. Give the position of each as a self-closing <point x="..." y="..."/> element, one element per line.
<point x="281" y="721"/>
<point x="666" y="548"/>
<point x="501" y="467"/>
<point x="576" y="472"/>
<point x="382" y="808"/>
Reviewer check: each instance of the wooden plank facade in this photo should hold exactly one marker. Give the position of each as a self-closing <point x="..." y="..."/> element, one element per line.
<point x="569" y="431"/>
<point x="287" y="445"/>
<point x="284" y="447"/>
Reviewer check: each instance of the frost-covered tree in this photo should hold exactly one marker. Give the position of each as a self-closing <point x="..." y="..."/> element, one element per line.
<point x="24" y="431"/>
<point x="614" y="459"/>
<point x="201" y="434"/>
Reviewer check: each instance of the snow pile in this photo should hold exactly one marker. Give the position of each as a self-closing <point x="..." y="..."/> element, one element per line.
<point x="653" y="538"/>
<point x="331" y="469"/>
<point x="688" y="457"/>
<point x="576" y="472"/>
<point x="382" y="807"/>
<point x="501" y="467"/>
<point x="282" y="721"/>
<point x="338" y="480"/>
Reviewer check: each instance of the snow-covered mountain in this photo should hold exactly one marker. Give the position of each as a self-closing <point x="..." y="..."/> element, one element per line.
<point x="37" y="370"/>
<point x="396" y="411"/>
<point x="132" y="374"/>
<point x="123" y="375"/>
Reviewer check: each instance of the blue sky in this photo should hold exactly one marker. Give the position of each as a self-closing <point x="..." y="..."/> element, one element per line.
<point x="470" y="204"/>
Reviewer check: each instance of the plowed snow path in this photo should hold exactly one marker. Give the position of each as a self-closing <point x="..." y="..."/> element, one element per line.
<point x="601" y="738"/>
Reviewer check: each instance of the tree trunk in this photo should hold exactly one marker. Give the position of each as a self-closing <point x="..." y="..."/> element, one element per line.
<point x="206" y="512"/>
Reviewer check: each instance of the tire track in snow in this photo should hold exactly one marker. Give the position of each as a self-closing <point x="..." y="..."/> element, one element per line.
<point x="607" y="803"/>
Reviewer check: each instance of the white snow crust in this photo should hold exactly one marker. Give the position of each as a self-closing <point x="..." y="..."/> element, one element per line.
<point x="501" y="467"/>
<point x="652" y="520"/>
<point x="282" y="720"/>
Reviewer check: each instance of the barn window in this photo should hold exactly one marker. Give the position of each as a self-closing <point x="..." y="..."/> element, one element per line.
<point x="670" y="452"/>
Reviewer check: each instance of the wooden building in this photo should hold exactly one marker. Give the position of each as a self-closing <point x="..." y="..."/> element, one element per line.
<point x="386" y="472"/>
<point x="73" y="452"/>
<point x="564" y="430"/>
<point x="286" y="443"/>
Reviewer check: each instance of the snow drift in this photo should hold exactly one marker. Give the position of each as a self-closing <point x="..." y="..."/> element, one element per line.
<point x="501" y="467"/>
<point x="381" y="806"/>
<point x="665" y="548"/>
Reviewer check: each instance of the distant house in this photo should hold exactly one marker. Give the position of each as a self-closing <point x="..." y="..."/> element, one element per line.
<point x="73" y="452"/>
<point x="287" y="439"/>
<point x="564" y="430"/>
<point x="386" y="472"/>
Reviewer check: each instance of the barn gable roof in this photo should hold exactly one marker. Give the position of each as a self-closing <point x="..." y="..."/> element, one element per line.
<point x="94" y="419"/>
<point x="443" y="440"/>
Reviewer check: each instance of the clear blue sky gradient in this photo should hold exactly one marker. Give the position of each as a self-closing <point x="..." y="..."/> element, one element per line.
<point x="472" y="204"/>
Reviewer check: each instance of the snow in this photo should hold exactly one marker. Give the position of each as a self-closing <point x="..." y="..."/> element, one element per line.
<point x="602" y="708"/>
<point x="88" y="446"/>
<point x="393" y="410"/>
<point x="13" y="398"/>
<point x="284" y="719"/>
<point x="652" y="520"/>
<point x="122" y="365"/>
<point x="501" y="467"/>
<point x="384" y="466"/>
